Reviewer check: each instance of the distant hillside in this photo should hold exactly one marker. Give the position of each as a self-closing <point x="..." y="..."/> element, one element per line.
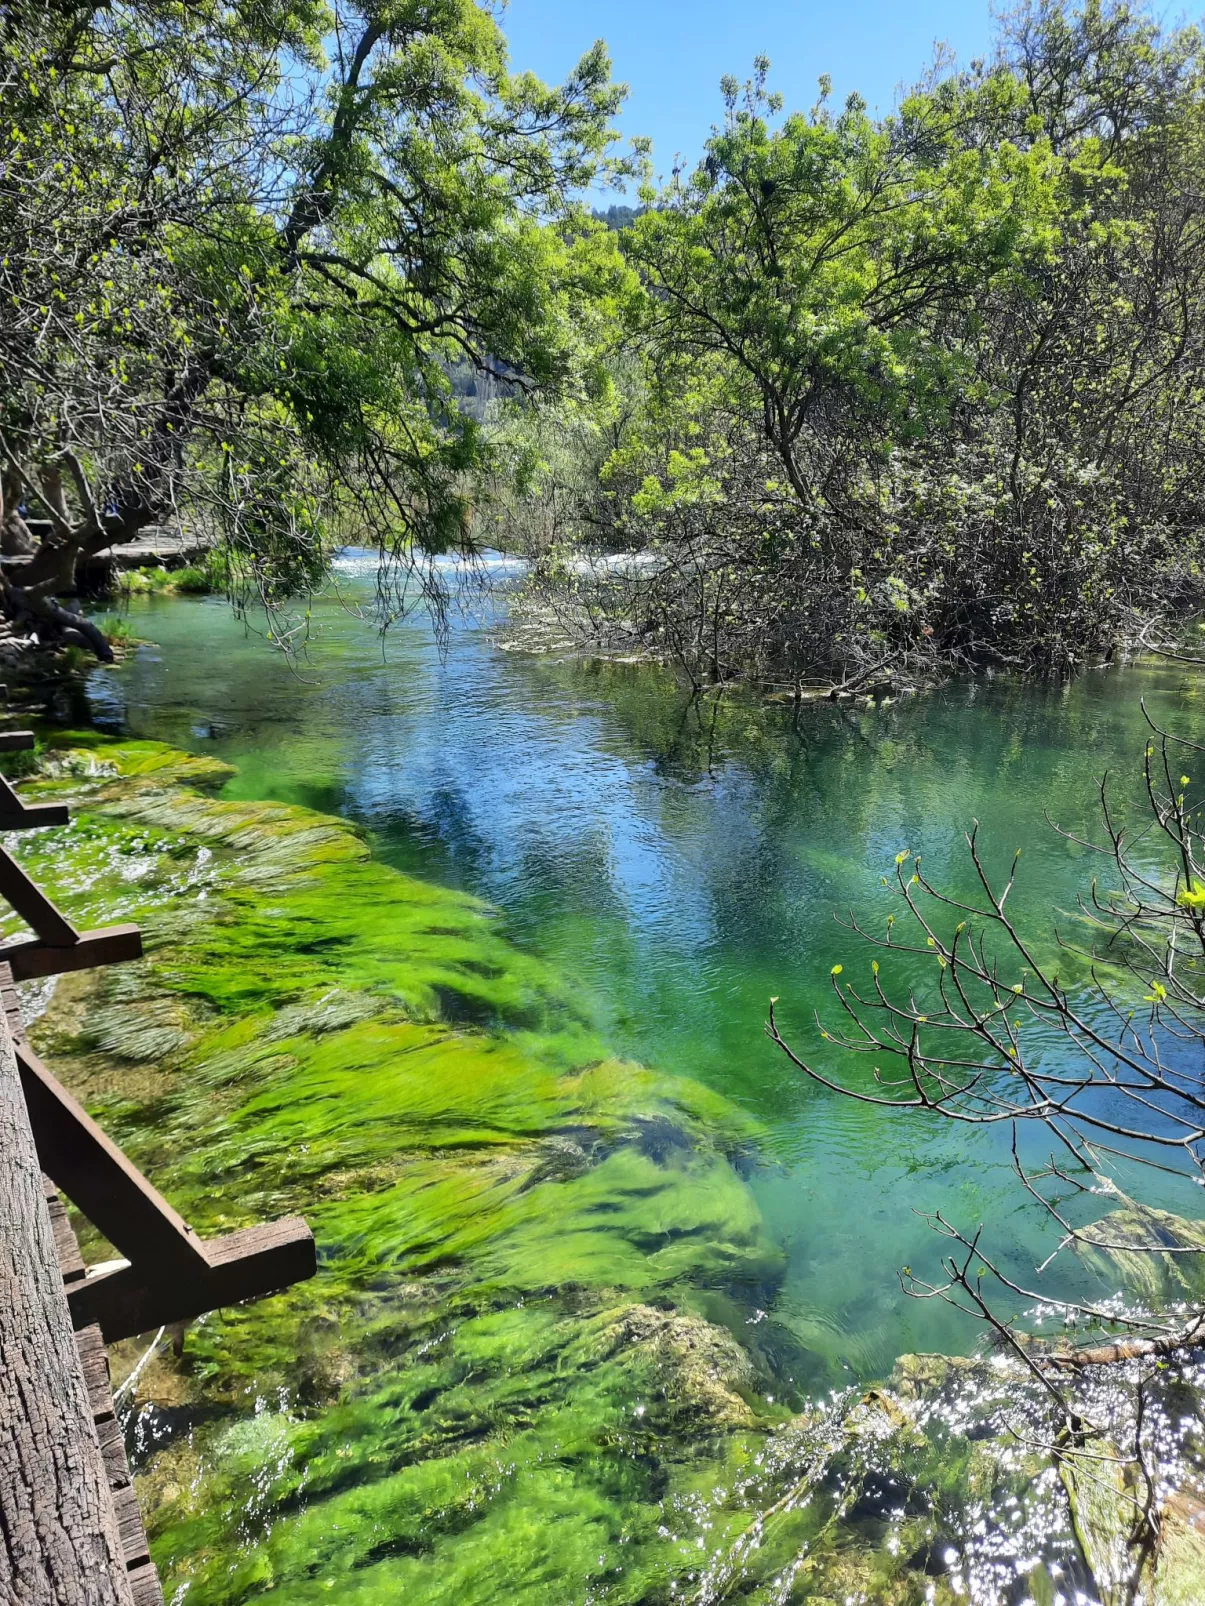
<point x="617" y="217"/>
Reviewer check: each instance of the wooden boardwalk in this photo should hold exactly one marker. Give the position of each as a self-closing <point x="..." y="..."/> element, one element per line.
<point x="162" y="548"/>
<point x="70" y="1530"/>
<point x="94" y="1362"/>
<point x="173" y="546"/>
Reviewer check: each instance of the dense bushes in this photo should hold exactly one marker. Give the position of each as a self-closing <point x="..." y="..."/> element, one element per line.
<point x="925" y="388"/>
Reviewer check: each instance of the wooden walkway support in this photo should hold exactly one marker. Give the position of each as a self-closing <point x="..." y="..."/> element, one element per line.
<point x="70" y="1530"/>
<point x="94" y="1359"/>
<point x="170" y="1274"/>
<point x="59" y="1541"/>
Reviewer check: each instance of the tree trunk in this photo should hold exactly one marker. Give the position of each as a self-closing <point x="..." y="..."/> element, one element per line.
<point x="59" y="1543"/>
<point x="15" y="537"/>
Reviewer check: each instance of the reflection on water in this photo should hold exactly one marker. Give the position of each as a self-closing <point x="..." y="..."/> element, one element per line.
<point x="682" y="861"/>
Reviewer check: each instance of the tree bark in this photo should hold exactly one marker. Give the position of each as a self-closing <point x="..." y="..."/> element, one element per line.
<point x="15" y="537"/>
<point x="59" y="1543"/>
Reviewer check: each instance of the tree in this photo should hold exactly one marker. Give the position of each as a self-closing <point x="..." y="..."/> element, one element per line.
<point x="243" y="248"/>
<point x="925" y="391"/>
<point x="821" y="261"/>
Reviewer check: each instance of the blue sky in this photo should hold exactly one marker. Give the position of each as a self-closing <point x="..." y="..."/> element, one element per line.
<point x="673" y="53"/>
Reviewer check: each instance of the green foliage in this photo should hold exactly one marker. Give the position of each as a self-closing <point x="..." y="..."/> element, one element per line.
<point x="117" y="629"/>
<point x="819" y="262"/>
<point x="194" y="580"/>
<point x="244" y="248"/>
<point x="148" y="581"/>
<point x="921" y="389"/>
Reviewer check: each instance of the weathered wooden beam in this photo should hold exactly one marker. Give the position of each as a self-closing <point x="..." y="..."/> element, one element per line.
<point x="32" y="816"/>
<point x="59" y="1540"/>
<point x="242" y="1265"/>
<point x="66" y="1245"/>
<point x="144" y="1580"/>
<point x="97" y="1177"/>
<point x="16" y="741"/>
<point x="58" y="946"/>
<point x="173" y="1274"/>
<point x="16" y="815"/>
<point x="31" y="903"/>
<point x="111" y="945"/>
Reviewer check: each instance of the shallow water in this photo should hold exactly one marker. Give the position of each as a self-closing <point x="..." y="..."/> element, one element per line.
<point x="677" y="863"/>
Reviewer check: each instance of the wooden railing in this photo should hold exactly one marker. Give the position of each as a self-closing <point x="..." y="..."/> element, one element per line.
<point x="70" y="1534"/>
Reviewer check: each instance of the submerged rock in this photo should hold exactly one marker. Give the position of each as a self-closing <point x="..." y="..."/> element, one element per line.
<point x="694" y="1369"/>
<point x="1159" y="1256"/>
<point x="1132" y="1566"/>
<point x="1106" y="1514"/>
<point x="1180" y="1558"/>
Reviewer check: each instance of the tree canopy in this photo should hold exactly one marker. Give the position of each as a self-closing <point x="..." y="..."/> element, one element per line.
<point x="244" y="246"/>
<point x="924" y="387"/>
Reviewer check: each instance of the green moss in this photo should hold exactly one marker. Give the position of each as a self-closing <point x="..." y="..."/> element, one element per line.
<point x="502" y="1368"/>
<point x="511" y="1378"/>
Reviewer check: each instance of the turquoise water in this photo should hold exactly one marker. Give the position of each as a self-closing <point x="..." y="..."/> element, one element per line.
<point x="680" y="862"/>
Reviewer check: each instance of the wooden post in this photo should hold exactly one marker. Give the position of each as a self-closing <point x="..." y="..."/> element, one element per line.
<point x="59" y="1539"/>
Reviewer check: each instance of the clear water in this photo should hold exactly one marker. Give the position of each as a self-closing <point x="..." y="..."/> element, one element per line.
<point x="681" y="862"/>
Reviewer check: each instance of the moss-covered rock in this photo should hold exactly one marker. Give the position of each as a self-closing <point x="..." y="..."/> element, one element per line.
<point x="1180" y="1561"/>
<point x="1159" y="1257"/>
<point x="1105" y="1511"/>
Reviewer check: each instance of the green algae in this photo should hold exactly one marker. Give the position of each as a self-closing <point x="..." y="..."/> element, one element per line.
<point x="528" y="1366"/>
<point x="503" y="1369"/>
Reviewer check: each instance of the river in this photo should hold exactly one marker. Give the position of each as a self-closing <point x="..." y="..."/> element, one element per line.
<point x="678" y="862"/>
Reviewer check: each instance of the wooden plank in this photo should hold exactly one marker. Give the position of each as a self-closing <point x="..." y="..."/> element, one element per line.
<point x="71" y="1262"/>
<point x="32" y="904"/>
<point x="17" y="816"/>
<point x="94" y="1363"/>
<point x="129" y="1525"/>
<point x="98" y="1178"/>
<point x="113" y="1451"/>
<point x="130" y="1530"/>
<point x="33" y="815"/>
<point x="243" y="1265"/>
<point x="11" y="1005"/>
<point x="59" y="1539"/>
<point x="109" y="946"/>
<point x="144" y="1581"/>
<point x="16" y="741"/>
<point x="10" y="803"/>
<point x="145" y="1586"/>
<point x="233" y="1255"/>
